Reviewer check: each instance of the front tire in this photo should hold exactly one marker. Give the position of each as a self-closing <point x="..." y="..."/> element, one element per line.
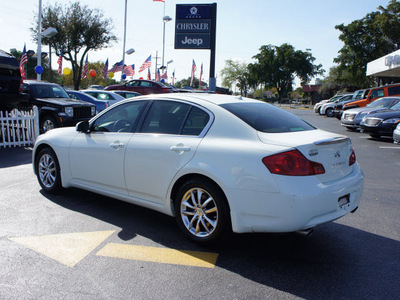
<point x="201" y="211"/>
<point x="48" y="171"/>
<point x="47" y="123"/>
<point x="329" y="112"/>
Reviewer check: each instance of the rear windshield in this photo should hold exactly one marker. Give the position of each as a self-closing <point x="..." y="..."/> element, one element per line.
<point x="267" y="118"/>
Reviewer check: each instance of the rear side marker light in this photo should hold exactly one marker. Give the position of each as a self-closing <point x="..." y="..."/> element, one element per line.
<point x="292" y="163"/>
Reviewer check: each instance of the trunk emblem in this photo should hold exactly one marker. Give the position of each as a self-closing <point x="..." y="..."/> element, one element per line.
<point x="313" y="152"/>
<point x="337" y="154"/>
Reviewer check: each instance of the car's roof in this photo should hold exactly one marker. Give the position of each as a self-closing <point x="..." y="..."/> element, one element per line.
<point x="123" y="91"/>
<point x="35" y="82"/>
<point x="217" y="99"/>
<point x="97" y="91"/>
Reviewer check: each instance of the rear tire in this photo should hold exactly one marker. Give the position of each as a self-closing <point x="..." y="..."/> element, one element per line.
<point x="201" y="211"/>
<point x="48" y="171"/>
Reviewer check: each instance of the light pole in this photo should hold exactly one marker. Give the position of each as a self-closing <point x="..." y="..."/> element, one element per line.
<point x="165" y="20"/>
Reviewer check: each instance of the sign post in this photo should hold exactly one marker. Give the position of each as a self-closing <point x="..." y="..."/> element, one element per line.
<point x="195" y="28"/>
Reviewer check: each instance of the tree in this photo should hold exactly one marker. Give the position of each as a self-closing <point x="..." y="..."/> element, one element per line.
<point x="278" y="67"/>
<point x="237" y="73"/>
<point x="186" y="82"/>
<point x="79" y="29"/>
<point x="31" y="64"/>
<point x="365" y="40"/>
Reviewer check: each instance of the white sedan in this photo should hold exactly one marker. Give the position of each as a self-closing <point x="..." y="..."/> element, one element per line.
<point x="215" y="162"/>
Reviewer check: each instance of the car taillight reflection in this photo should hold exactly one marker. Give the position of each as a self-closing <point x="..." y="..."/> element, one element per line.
<point x="292" y="163"/>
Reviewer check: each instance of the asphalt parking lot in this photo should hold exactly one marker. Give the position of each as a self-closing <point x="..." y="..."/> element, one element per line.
<point x="80" y="245"/>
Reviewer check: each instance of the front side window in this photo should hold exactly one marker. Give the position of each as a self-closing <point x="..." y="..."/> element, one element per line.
<point x="267" y="118"/>
<point x="377" y="94"/>
<point x="73" y="96"/>
<point x="123" y="118"/>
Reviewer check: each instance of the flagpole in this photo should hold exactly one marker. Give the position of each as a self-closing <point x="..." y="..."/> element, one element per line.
<point x="123" y="52"/>
<point x="39" y="49"/>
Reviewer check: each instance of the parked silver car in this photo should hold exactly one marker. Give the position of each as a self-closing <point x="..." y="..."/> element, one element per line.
<point x="317" y="106"/>
<point x="396" y="134"/>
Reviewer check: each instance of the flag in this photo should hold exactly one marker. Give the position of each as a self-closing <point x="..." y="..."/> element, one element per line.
<point x="59" y="61"/>
<point x="129" y="70"/>
<point x="173" y="77"/>
<point x="149" y="75"/>
<point x="158" y="77"/>
<point x="146" y="64"/>
<point x="85" y="68"/>
<point x="117" y="67"/>
<point x="164" y="75"/>
<point x="201" y="74"/>
<point x="193" y="71"/>
<point x="159" y="1"/>
<point x="24" y="60"/>
<point x="105" y="69"/>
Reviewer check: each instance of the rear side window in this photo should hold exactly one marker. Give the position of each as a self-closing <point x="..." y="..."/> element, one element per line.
<point x="267" y="118"/>
<point x="146" y="84"/>
<point x="177" y="118"/>
<point x="165" y="117"/>
<point x="395" y="90"/>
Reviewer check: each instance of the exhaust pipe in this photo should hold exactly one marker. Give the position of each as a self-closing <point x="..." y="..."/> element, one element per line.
<point x="354" y="210"/>
<point x="305" y="232"/>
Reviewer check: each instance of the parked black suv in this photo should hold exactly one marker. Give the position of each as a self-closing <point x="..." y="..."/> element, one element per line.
<point x="56" y="109"/>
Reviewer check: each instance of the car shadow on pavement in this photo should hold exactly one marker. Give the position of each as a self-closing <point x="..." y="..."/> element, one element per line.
<point x="10" y="157"/>
<point x="335" y="262"/>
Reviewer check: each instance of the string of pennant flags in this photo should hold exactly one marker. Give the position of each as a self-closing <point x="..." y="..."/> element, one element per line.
<point x="128" y="70"/>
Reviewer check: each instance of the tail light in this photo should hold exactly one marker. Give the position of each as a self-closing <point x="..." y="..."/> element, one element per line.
<point x="292" y="163"/>
<point x="352" y="159"/>
<point x="167" y="90"/>
<point x="20" y="85"/>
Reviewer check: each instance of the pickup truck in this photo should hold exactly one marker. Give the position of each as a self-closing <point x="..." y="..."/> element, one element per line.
<point x="56" y="108"/>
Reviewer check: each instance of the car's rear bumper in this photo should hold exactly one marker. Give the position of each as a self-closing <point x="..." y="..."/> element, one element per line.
<point x="302" y="203"/>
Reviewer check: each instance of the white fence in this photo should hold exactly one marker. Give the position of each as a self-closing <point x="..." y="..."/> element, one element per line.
<point x="18" y="128"/>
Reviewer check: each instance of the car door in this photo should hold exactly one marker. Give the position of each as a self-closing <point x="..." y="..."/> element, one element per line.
<point x="168" y="139"/>
<point x="97" y="158"/>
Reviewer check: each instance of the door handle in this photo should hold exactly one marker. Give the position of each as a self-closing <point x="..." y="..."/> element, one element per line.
<point x="117" y="146"/>
<point x="180" y="148"/>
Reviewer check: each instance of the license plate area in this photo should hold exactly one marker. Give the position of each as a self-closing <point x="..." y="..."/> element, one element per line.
<point x="344" y="200"/>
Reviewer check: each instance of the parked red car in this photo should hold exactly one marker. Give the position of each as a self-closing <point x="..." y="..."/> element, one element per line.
<point x="141" y="86"/>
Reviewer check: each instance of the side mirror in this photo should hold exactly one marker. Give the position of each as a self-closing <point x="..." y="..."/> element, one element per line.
<point x="83" y="126"/>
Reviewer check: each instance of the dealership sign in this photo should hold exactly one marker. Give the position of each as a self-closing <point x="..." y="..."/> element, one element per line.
<point x="194" y="26"/>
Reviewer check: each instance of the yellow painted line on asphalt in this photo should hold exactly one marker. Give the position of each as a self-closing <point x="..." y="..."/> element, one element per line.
<point x="68" y="248"/>
<point x="160" y="255"/>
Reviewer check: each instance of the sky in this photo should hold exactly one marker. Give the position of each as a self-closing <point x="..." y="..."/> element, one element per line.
<point x="242" y="28"/>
